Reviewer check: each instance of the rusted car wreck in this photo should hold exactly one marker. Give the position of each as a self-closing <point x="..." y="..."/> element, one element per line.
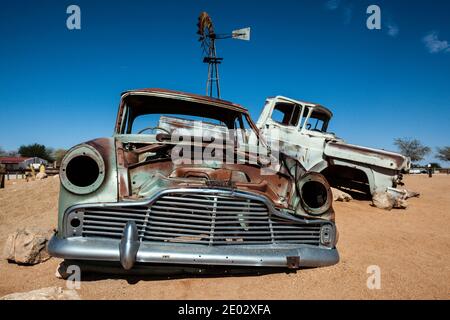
<point x="301" y="131"/>
<point x="141" y="198"/>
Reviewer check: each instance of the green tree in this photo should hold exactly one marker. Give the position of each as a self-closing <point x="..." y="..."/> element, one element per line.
<point x="435" y="165"/>
<point x="412" y="148"/>
<point x="58" y="155"/>
<point x="443" y="154"/>
<point x="36" y="150"/>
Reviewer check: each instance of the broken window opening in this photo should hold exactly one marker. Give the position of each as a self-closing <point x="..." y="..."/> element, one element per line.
<point x="318" y="121"/>
<point x="286" y="114"/>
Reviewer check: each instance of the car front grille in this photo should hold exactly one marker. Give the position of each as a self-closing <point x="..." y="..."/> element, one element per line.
<point x="207" y="219"/>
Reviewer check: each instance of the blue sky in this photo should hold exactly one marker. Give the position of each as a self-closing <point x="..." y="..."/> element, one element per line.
<point x="60" y="87"/>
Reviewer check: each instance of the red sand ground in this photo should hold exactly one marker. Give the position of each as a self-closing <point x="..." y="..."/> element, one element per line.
<point x="412" y="248"/>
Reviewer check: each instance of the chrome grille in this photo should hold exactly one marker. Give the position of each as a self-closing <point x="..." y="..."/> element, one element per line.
<point x="207" y="219"/>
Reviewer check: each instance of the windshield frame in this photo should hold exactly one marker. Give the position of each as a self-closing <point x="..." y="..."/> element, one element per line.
<point x="312" y="109"/>
<point x="215" y="106"/>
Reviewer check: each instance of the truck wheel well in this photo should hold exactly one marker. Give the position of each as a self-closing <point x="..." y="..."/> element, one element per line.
<point x="350" y="179"/>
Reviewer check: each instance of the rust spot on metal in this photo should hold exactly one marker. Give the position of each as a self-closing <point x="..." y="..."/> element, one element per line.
<point x="293" y="262"/>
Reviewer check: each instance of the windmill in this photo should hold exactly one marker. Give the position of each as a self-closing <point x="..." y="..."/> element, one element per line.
<point x="208" y="37"/>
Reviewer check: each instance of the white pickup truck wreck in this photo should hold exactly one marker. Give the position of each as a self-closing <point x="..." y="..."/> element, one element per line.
<point x="300" y="129"/>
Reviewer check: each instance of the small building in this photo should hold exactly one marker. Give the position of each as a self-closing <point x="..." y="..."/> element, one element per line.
<point x="20" y="163"/>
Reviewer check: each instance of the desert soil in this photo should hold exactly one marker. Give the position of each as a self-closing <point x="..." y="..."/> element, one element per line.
<point x="411" y="247"/>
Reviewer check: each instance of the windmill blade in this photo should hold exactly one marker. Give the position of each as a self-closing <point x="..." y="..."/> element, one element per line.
<point x="205" y="26"/>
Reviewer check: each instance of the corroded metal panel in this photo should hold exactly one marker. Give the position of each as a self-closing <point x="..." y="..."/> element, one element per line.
<point x="374" y="157"/>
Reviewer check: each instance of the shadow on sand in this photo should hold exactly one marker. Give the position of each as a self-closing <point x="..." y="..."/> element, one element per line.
<point x="154" y="272"/>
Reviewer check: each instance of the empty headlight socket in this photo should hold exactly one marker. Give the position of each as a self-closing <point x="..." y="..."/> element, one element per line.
<point x="312" y="187"/>
<point x="82" y="170"/>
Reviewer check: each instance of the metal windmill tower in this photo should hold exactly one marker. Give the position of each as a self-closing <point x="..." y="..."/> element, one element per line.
<point x="208" y="37"/>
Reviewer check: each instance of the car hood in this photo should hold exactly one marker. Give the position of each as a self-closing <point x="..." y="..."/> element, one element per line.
<point x="375" y="157"/>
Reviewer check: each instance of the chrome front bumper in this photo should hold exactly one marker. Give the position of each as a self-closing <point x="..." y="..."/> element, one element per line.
<point x="286" y="255"/>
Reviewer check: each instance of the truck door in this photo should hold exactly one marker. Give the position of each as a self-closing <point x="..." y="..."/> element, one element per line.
<point x="281" y="123"/>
